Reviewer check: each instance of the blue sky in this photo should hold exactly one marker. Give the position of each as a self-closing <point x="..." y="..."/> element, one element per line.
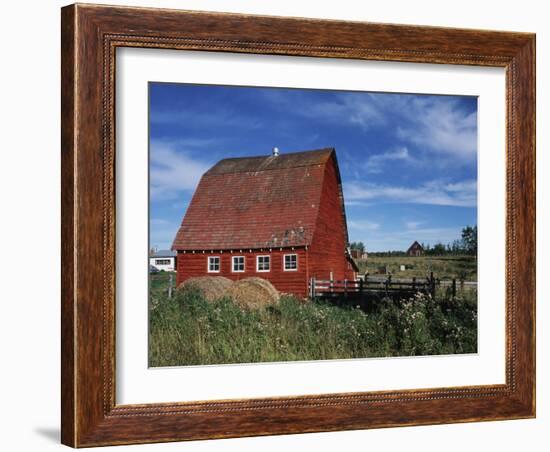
<point x="408" y="161"/>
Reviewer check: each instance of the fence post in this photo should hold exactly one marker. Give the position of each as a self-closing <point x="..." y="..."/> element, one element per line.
<point x="414" y="283"/>
<point x="170" y="286"/>
<point x="454" y="287"/>
<point x="361" y="286"/>
<point x="312" y="287"/>
<point x="432" y="284"/>
<point x="345" y="288"/>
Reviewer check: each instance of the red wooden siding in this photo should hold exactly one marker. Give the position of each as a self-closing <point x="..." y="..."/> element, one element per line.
<point x="327" y="251"/>
<point x="295" y="282"/>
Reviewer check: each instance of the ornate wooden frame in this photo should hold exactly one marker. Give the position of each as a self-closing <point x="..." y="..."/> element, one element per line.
<point x="90" y="35"/>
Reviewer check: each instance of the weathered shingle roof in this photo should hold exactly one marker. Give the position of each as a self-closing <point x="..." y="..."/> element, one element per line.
<point x="263" y="163"/>
<point x="256" y="202"/>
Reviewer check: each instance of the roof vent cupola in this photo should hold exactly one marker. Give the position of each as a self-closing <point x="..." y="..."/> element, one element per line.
<point x="275" y="152"/>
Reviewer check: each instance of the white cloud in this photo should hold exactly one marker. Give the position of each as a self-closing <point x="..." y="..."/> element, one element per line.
<point x="426" y="124"/>
<point x="361" y="112"/>
<point x="375" y="163"/>
<point x="463" y="194"/>
<point x="357" y="203"/>
<point x="438" y="125"/>
<point x="173" y="171"/>
<point x="344" y="107"/>
<point x="363" y="225"/>
<point x="433" y="124"/>
<point x="413" y="224"/>
<point x="462" y="187"/>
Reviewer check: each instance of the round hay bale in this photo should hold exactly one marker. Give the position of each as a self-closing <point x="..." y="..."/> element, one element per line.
<point x="211" y="287"/>
<point x="253" y="293"/>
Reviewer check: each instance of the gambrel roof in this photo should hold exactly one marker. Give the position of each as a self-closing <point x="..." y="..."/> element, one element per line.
<point x="258" y="202"/>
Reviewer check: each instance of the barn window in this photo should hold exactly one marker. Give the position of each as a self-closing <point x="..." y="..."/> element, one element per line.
<point x="291" y="262"/>
<point x="162" y="261"/>
<point x="238" y="264"/>
<point x="213" y="264"/>
<point x="263" y="263"/>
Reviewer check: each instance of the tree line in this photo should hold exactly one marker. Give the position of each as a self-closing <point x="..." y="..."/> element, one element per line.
<point x="466" y="245"/>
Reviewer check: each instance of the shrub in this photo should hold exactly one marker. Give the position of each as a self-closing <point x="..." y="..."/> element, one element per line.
<point x="189" y="330"/>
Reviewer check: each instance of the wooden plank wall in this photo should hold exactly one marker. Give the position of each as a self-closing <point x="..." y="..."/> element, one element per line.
<point x="294" y="282"/>
<point x="327" y="251"/>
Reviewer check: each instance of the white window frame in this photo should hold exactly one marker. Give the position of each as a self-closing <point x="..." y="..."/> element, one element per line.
<point x="233" y="258"/>
<point x="258" y="263"/>
<point x="208" y="264"/>
<point x="284" y="263"/>
<point x="163" y="261"/>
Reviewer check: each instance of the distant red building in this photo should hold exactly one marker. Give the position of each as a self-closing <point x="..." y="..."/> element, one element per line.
<point x="415" y="250"/>
<point x="279" y="217"/>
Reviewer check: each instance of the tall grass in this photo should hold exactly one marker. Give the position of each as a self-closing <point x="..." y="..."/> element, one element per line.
<point x="444" y="267"/>
<point x="187" y="330"/>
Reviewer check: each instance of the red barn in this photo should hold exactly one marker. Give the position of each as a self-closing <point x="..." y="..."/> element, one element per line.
<point x="278" y="217"/>
<point x="415" y="250"/>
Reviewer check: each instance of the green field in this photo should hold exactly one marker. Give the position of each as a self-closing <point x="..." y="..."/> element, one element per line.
<point x="443" y="267"/>
<point x="187" y="330"/>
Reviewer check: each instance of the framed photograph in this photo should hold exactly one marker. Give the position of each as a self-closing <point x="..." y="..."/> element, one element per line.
<point x="281" y="225"/>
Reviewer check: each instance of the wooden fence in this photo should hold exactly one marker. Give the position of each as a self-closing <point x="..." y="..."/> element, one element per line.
<point x="319" y="288"/>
